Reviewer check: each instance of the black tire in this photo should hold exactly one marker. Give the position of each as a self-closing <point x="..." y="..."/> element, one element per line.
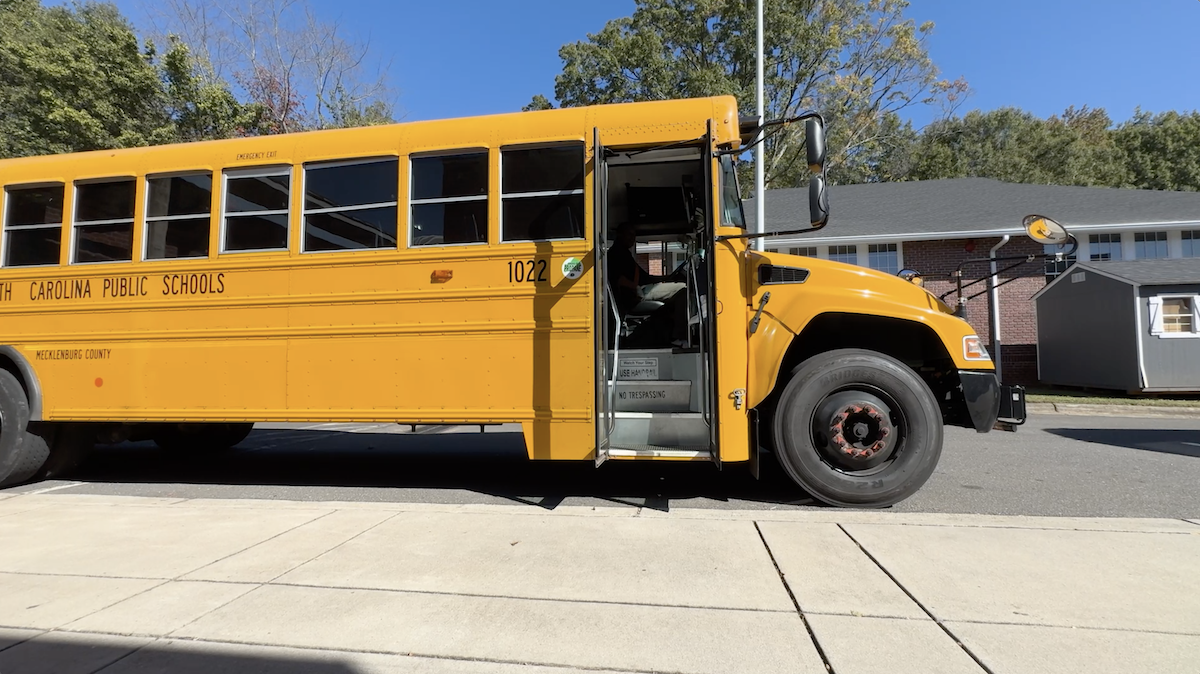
<point x="857" y="428"/>
<point x="201" y="438"/>
<point x="20" y="456"/>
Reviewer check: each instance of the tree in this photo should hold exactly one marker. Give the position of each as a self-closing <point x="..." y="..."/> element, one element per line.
<point x="199" y="109"/>
<point x="1016" y="146"/>
<point x="1163" y="151"/>
<point x="859" y="62"/>
<point x="74" y="78"/>
<point x="283" y="57"/>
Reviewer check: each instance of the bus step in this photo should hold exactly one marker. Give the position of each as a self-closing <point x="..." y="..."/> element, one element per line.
<point x="655" y="452"/>
<point x="659" y="429"/>
<point x="652" y="396"/>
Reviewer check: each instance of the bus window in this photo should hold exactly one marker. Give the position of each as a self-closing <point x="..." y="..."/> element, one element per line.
<point x="104" y="221"/>
<point x="33" y="225"/>
<point x="449" y="199"/>
<point x="542" y="193"/>
<point x="731" y="200"/>
<point x="177" y="216"/>
<point x="256" y="209"/>
<point x="350" y="206"/>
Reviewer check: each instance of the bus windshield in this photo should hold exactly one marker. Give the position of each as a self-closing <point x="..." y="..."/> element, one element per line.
<point x="731" y="200"/>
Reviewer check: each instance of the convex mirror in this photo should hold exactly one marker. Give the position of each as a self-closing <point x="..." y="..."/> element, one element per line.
<point x="1045" y="231"/>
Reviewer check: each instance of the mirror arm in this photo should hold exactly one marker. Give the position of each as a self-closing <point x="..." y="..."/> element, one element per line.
<point x="758" y="131"/>
<point x="760" y="235"/>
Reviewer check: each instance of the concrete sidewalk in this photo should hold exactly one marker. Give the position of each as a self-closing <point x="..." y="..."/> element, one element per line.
<point x="126" y="585"/>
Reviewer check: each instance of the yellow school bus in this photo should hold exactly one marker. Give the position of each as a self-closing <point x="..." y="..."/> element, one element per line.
<point x="462" y="272"/>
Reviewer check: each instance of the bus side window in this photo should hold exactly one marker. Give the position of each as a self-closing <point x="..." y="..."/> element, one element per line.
<point x="33" y="219"/>
<point x="104" y="221"/>
<point x="178" y="216"/>
<point x="350" y="205"/>
<point x="449" y="199"/>
<point x="256" y="209"/>
<point x="542" y="193"/>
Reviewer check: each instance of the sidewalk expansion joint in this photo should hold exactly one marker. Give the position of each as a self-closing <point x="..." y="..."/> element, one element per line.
<point x="21" y="641"/>
<point x="792" y="595"/>
<point x="918" y="602"/>
<point x="480" y="595"/>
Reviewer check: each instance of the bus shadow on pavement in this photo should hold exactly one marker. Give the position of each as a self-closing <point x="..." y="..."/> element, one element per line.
<point x="1166" y="441"/>
<point x="82" y="652"/>
<point x="494" y="464"/>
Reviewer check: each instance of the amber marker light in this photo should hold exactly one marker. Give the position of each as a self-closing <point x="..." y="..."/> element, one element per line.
<point x="441" y="275"/>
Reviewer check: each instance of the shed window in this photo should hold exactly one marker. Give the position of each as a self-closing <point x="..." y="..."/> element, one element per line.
<point x="350" y="206"/>
<point x="1175" y="315"/>
<point x="542" y="193"/>
<point x="449" y="200"/>
<point x="178" y="216"/>
<point x="32" y="225"/>
<point x="256" y="209"/>
<point x="104" y="221"/>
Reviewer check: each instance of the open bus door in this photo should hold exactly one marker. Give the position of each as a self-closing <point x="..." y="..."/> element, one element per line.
<point x="605" y="321"/>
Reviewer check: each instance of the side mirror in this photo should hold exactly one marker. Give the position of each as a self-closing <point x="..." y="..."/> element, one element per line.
<point x="818" y="202"/>
<point x="1045" y="231"/>
<point x="912" y="276"/>
<point x="814" y="133"/>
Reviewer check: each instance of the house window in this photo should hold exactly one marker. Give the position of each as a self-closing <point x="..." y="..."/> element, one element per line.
<point x="256" y="208"/>
<point x="806" y="251"/>
<point x="1150" y="245"/>
<point x="1191" y="243"/>
<point x="1054" y="266"/>
<point x="449" y="199"/>
<point x="1104" y="246"/>
<point x="177" y="216"/>
<point x="1174" y="316"/>
<point x="542" y="193"/>
<point x="350" y="205"/>
<point x="884" y="257"/>
<point x="32" y="225"/>
<point x="104" y="221"/>
<point x="847" y="254"/>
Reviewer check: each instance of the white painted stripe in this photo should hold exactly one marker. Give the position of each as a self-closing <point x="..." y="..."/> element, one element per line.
<point x="47" y="490"/>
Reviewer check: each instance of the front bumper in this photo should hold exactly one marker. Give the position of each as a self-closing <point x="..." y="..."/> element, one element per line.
<point x="981" y="391"/>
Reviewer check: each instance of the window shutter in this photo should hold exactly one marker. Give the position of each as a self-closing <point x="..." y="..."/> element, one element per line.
<point x="1156" y="321"/>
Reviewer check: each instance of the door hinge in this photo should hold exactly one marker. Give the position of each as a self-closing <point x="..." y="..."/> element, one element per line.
<point x="739" y="398"/>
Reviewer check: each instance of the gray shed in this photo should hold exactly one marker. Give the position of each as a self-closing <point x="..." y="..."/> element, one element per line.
<point x="1129" y="325"/>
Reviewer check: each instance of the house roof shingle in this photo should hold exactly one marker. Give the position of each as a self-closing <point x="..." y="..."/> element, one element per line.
<point x="1159" y="272"/>
<point x="970" y="207"/>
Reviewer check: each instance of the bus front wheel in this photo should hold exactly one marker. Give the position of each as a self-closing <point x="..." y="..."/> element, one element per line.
<point x="21" y="453"/>
<point x="857" y="428"/>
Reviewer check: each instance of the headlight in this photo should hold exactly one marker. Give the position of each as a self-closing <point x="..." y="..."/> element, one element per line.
<point x="973" y="349"/>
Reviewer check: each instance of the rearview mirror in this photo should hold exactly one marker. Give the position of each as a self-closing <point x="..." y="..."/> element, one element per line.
<point x="814" y="133"/>
<point x="1045" y="231"/>
<point x="818" y="202"/>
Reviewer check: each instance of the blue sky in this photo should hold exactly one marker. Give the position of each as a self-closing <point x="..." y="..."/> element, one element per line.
<point x="467" y="57"/>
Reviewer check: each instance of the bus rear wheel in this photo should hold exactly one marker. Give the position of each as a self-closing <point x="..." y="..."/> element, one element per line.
<point x="21" y="454"/>
<point x="857" y="428"/>
<point x="201" y="437"/>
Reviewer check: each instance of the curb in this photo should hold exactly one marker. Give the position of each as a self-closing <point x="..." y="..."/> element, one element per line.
<point x="1089" y="410"/>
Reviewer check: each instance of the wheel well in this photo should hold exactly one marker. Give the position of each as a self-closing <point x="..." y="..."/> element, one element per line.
<point x="12" y="362"/>
<point x="914" y="344"/>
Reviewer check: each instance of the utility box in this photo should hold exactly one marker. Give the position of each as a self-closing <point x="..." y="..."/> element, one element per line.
<point x="1129" y="326"/>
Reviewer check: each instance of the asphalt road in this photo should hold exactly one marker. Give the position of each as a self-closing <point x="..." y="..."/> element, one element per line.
<point x="1055" y="465"/>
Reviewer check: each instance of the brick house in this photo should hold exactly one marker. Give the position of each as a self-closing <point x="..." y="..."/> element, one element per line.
<point x="933" y="226"/>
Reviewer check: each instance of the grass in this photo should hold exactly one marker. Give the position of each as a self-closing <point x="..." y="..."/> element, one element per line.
<point x="1083" y="397"/>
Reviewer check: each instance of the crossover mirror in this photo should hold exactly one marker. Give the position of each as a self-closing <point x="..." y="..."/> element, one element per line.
<point x="1045" y="231"/>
